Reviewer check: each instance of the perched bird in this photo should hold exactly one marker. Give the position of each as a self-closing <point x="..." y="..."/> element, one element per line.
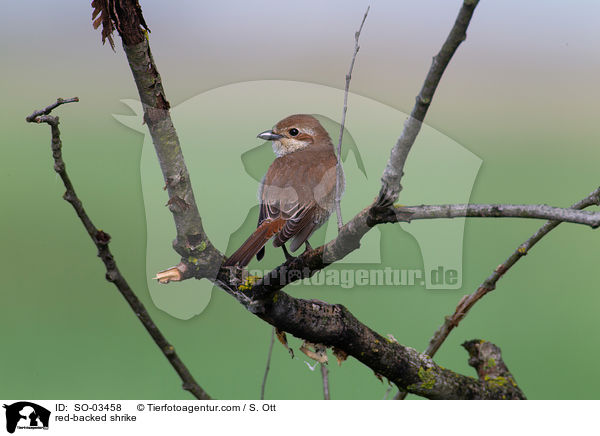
<point x="297" y="194"/>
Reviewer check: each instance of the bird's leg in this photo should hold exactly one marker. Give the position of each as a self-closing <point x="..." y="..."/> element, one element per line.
<point x="308" y="247"/>
<point x="288" y="256"/>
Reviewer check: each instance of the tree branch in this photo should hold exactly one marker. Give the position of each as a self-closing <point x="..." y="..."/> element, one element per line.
<point x="489" y="284"/>
<point x="394" y="169"/>
<point x="101" y="240"/>
<point x="340" y="171"/>
<point x="334" y="326"/>
<point x="191" y="240"/>
<point x="486" y="358"/>
<point x="536" y="211"/>
<point x="36" y="115"/>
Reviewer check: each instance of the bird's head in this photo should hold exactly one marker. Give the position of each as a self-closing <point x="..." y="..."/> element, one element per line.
<point x="295" y="133"/>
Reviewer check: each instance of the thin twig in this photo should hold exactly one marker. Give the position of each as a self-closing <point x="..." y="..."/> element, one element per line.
<point x="489" y="284"/>
<point x="49" y="109"/>
<point x="340" y="170"/>
<point x="269" y="354"/>
<point x="101" y="240"/>
<point x="325" y="377"/>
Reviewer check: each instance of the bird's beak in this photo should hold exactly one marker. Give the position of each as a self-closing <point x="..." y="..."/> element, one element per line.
<point x="269" y="135"/>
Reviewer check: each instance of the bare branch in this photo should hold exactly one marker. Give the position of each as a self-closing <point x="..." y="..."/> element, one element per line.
<point x="46" y="111"/>
<point x="269" y="354"/>
<point x="536" y="211"/>
<point x="101" y="240"/>
<point x="340" y="170"/>
<point x="489" y="284"/>
<point x="191" y="241"/>
<point x="334" y="326"/>
<point x="394" y="169"/>
<point x="486" y="358"/>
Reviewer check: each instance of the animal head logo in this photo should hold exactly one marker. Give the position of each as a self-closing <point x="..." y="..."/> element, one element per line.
<point x="24" y="414"/>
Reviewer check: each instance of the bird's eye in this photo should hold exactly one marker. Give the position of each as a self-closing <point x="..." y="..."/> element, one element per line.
<point x="294" y="132"/>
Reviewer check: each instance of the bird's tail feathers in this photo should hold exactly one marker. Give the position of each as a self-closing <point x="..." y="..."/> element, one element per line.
<point x="255" y="242"/>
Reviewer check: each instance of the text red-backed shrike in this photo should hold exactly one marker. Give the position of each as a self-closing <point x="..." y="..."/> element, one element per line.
<point x="297" y="195"/>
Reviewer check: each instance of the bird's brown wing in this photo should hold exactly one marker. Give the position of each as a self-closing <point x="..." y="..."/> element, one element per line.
<point x="299" y="226"/>
<point x="293" y="201"/>
<point x="299" y="187"/>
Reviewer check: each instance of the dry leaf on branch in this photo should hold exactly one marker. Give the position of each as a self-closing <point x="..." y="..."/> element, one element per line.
<point x="283" y="339"/>
<point x="316" y="352"/>
<point x="340" y="355"/>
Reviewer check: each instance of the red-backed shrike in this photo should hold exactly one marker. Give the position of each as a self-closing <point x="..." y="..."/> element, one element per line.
<point x="297" y="195"/>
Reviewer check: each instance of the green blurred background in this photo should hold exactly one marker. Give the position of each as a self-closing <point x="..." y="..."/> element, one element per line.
<point x="521" y="94"/>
